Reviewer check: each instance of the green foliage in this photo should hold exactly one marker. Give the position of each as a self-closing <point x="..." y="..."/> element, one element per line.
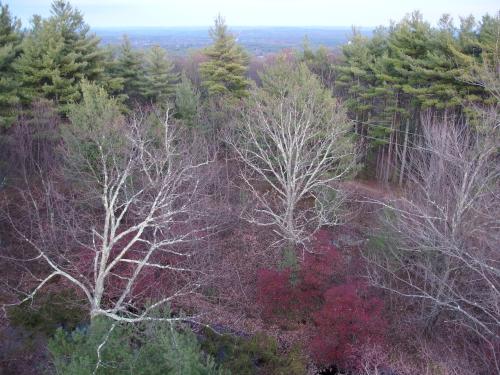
<point x="286" y="80"/>
<point x="160" y="77"/>
<point x="58" y="54"/>
<point x="96" y="110"/>
<point x="48" y="312"/>
<point x="294" y="85"/>
<point x="143" y="349"/>
<point x="10" y="49"/>
<point x="411" y="66"/>
<point x="129" y="67"/>
<point x="257" y="355"/>
<point x="225" y="71"/>
<point x="95" y="125"/>
<point x="389" y="79"/>
<point x="111" y="81"/>
<point x="187" y="101"/>
<point x="320" y="62"/>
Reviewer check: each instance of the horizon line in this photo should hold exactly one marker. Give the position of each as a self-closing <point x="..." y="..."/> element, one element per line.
<point x="234" y="26"/>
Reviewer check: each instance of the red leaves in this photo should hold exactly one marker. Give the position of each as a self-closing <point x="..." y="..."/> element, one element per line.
<point x="319" y="270"/>
<point x="351" y="320"/>
<point x="276" y="294"/>
<point x="344" y="317"/>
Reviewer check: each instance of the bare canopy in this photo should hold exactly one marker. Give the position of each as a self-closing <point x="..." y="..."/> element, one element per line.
<point x="120" y="230"/>
<point x="294" y="136"/>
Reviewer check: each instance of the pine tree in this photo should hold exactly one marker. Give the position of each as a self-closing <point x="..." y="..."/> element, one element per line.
<point x="489" y="73"/>
<point x="319" y="62"/>
<point x="42" y="65"/>
<point x="160" y="76"/>
<point x="355" y="75"/>
<point x="224" y="72"/>
<point x="57" y="55"/>
<point x="141" y="349"/>
<point x="10" y="48"/>
<point x="489" y="34"/>
<point x="111" y="82"/>
<point x="186" y="101"/>
<point x="130" y="68"/>
<point x="70" y="24"/>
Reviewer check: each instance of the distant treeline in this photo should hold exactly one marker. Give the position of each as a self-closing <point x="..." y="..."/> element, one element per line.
<point x="258" y="41"/>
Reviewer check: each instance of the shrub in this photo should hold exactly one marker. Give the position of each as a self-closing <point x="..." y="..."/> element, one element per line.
<point x="319" y="270"/>
<point x="343" y="317"/>
<point x="148" y="348"/>
<point x="275" y="292"/>
<point x="298" y="289"/>
<point x="351" y="320"/>
<point x="48" y="312"/>
<point x="259" y="354"/>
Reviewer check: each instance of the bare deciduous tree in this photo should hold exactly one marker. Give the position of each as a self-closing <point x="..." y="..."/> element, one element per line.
<point x="445" y="255"/>
<point x="294" y="137"/>
<point x="113" y="224"/>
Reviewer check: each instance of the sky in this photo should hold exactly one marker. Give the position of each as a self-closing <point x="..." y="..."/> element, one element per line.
<point x="173" y="13"/>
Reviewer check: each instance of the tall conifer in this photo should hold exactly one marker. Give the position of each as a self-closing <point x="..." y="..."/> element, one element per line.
<point x="10" y="48"/>
<point x="130" y="68"/>
<point x="160" y="76"/>
<point x="225" y="71"/>
<point x="58" y="54"/>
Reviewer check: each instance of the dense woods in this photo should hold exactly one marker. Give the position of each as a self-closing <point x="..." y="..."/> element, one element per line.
<point x="314" y="211"/>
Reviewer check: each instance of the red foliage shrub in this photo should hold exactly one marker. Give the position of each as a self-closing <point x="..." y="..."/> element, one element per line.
<point x="346" y="322"/>
<point x="275" y="292"/>
<point x="345" y="318"/>
<point x="319" y="270"/>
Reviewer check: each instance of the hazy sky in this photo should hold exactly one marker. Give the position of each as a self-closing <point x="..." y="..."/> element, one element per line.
<point x="100" y="13"/>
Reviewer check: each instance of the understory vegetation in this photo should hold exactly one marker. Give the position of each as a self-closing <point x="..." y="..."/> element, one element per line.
<point x="310" y="212"/>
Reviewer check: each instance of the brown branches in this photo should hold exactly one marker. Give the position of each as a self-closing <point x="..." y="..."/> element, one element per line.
<point x="444" y="255"/>
<point x="294" y="138"/>
<point x="115" y="224"/>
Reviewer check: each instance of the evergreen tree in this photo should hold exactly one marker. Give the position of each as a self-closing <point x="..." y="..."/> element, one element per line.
<point x="144" y="349"/>
<point x="489" y="35"/>
<point x="43" y="68"/>
<point x="160" y="76"/>
<point x="187" y="101"/>
<point x="10" y="48"/>
<point x="130" y="68"/>
<point x="111" y="81"/>
<point x="389" y="79"/>
<point x="319" y="62"/>
<point x="57" y="55"/>
<point x="489" y="73"/>
<point x="224" y="72"/>
<point x="70" y="24"/>
<point x="355" y="76"/>
<point x="468" y="38"/>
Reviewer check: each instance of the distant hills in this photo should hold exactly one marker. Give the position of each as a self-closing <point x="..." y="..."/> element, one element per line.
<point x="257" y="40"/>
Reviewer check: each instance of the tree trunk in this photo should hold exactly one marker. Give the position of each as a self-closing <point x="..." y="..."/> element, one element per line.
<point x="403" y="158"/>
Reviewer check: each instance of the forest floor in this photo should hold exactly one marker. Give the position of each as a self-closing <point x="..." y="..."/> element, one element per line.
<point x="243" y="249"/>
<point x="372" y="189"/>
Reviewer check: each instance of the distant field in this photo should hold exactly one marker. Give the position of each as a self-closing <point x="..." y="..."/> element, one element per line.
<point x="257" y="40"/>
